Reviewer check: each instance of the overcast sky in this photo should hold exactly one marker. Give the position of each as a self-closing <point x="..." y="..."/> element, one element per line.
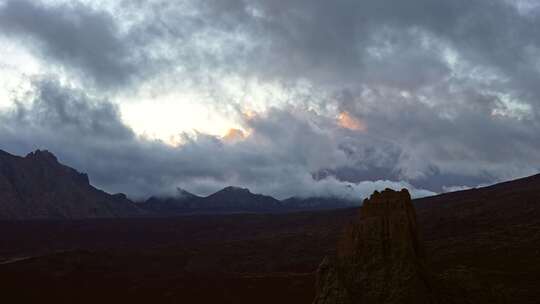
<point x="286" y="98"/>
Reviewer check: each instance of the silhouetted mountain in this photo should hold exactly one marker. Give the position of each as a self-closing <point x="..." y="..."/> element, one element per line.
<point x="239" y="199"/>
<point x="229" y="199"/>
<point x="235" y="199"/>
<point x="38" y="186"/>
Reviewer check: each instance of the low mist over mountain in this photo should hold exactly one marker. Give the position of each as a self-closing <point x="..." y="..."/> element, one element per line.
<point x="181" y="202"/>
<point x="38" y="186"/>
<point x="236" y="199"/>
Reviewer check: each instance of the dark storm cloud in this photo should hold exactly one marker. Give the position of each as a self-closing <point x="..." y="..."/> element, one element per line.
<point x="343" y="43"/>
<point x="79" y="37"/>
<point x="414" y="45"/>
<point x="447" y="90"/>
<point x="439" y="143"/>
<point x="460" y="65"/>
<point x="278" y="158"/>
<point x="335" y="41"/>
<point x="335" y="37"/>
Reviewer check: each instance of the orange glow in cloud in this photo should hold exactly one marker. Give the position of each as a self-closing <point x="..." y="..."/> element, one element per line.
<point x="234" y="135"/>
<point x="249" y="114"/>
<point x="347" y="121"/>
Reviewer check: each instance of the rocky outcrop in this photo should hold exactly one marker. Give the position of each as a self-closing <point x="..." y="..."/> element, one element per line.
<point x="380" y="258"/>
<point x="39" y="187"/>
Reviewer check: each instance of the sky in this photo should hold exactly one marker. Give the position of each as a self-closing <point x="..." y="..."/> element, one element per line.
<point x="286" y="98"/>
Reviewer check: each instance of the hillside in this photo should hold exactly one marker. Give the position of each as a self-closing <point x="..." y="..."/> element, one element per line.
<point x="38" y="186"/>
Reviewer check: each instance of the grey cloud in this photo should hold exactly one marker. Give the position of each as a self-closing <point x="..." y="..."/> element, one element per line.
<point x="79" y="37"/>
<point x="434" y="81"/>
<point x="278" y="158"/>
<point x="350" y="43"/>
<point x="463" y="139"/>
<point x="334" y="44"/>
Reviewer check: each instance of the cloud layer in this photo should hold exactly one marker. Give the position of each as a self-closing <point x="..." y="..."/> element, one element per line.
<point x="349" y="95"/>
<point x="279" y="156"/>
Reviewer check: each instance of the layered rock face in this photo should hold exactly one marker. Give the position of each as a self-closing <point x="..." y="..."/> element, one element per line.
<point x="38" y="186"/>
<point x="380" y="258"/>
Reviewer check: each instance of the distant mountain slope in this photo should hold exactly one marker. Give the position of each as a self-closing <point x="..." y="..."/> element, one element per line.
<point x="235" y="199"/>
<point x="492" y="232"/>
<point x="229" y="199"/>
<point x="239" y="199"/>
<point x="512" y="202"/>
<point x="38" y="186"/>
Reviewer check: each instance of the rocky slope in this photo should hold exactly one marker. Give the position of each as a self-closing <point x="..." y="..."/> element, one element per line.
<point x="38" y="186"/>
<point x="515" y="202"/>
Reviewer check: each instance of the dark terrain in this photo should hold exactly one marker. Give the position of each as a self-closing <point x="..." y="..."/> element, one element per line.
<point x="486" y="237"/>
<point x="492" y="232"/>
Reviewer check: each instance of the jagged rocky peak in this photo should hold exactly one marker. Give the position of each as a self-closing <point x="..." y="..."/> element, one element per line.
<point x="381" y="203"/>
<point x="42" y="155"/>
<point x="236" y="189"/>
<point x="390" y="197"/>
<point x="380" y="258"/>
<point x="47" y="161"/>
<point x="39" y="187"/>
<point x="386" y="218"/>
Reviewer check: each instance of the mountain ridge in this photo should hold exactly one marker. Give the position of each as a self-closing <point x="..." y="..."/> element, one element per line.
<point x="238" y="199"/>
<point x="37" y="186"/>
